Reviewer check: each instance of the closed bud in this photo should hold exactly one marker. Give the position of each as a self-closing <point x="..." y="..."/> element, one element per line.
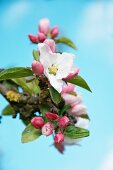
<point x="47" y="129"/>
<point x="37" y="122"/>
<point x="63" y="121"/>
<point x="68" y="88"/>
<point x="37" y="68"/>
<point x="54" y="31"/>
<point x="71" y="99"/>
<point x="72" y="75"/>
<point x="44" y="25"/>
<point x="59" y="138"/>
<point x="51" y="44"/>
<point x="78" y="109"/>
<point x="33" y="38"/>
<point x="41" y="37"/>
<point x="51" y="116"/>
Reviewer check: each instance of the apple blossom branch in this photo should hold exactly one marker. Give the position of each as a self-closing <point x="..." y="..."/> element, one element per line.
<point x="48" y="102"/>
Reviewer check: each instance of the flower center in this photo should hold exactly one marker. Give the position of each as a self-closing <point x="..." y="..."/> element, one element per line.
<point x="53" y="69"/>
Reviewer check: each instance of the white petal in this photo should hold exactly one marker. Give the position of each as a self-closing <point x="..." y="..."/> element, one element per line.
<point x="82" y="123"/>
<point x="65" y="64"/>
<point x="47" y="58"/>
<point x="57" y="84"/>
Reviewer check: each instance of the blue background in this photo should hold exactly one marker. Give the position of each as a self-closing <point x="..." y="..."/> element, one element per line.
<point x="90" y="25"/>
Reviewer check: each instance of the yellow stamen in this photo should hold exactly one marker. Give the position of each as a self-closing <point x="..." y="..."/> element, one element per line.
<point x="53" y="69"/>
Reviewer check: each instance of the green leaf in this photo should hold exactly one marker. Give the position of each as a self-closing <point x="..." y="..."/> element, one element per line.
<point x="85" y="116"/>
<point x="25" y="122"/>
<point x="64" y="109"/>
<point x="36" y="55"/>
<point x="75" y="133"/>
<point x="30" y="133"/>
<point x="66" y="41"/>
<point x="56" y="97"/>
<point x="79" y="81"/>
<point x="16" y="72"/>
<point x="8" y="110"/>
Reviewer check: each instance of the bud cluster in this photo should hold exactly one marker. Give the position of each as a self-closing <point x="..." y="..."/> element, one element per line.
<point x="44" y="32"/>
<point x="54" y="124"/>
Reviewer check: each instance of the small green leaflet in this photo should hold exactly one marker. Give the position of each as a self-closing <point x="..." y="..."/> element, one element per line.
<point x="36" y="55"/>
<point x="75" y="133"/>
<point x="79" y="81"/>
<point x="8" y="111"/>
<point x="34" y="86"/>
<point x="64" y="109"/>
<point x="16" y="72"/>
<point x="44" y="108"/>
<point x="66" y="41"/>
<point x="30" y="133"/>
<point x="85" y="116"/>
<point x="56" y="97"/>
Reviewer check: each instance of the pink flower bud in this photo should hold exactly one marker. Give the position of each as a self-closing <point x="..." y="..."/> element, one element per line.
<point x="59" y="138"/>
<point x="63" y="121"/>
<point x="51" y="44"/>
<point x="71" y="99"/>
<point x="41" y="37"/>
<point x="68" y="88"/>
<point x="54" y="31"/>
<point x="37" y="68"/>
<point x="33" y="38"/>
<point x="78" y="109"/>
<point x="44" y="25"/>
<point x="37" y="122"/>
<point x="47" y="129"/>
<point x="72" y="75"/>
<point x="51" y="116"/>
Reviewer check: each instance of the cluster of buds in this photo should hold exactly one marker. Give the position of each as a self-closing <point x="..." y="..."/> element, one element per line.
<point x="54" y="125"/>
<point x="74" y="100"/>
<point x="44" y="32"/>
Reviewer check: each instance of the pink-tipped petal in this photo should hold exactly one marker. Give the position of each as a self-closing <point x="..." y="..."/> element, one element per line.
<point x="72" y="75"/>
<point x="51" y="44"/>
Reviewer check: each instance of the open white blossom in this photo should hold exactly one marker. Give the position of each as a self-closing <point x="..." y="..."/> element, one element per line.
<point x="56" y="66"/>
